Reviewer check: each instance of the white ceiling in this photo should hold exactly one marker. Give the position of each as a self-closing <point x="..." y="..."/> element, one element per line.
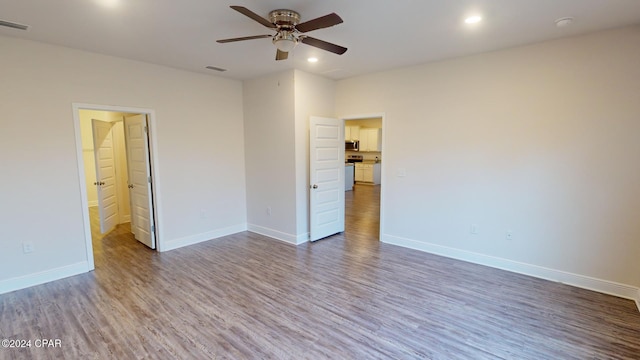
<point x="380" y="34"/>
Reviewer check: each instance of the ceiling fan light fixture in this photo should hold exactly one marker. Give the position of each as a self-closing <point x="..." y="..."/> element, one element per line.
<point x="285" y="41"/>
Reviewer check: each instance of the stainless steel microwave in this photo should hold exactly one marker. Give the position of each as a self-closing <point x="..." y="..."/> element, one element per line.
<point x="351" y="145"/>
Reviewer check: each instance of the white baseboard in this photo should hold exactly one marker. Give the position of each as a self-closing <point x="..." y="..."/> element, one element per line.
<point x="278" y="235"/>
<point x="198" y="238"/>
<point x="302" y="238"/>
<point x="581" y="281"/>
<point x="42" y="277"/>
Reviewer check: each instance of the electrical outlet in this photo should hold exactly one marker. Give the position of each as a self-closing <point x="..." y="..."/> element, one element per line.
<point x="473" y="229"/>
<point x="509" y="235"/>
<point x="269" y="210"/>
<point x="28" y="247"/>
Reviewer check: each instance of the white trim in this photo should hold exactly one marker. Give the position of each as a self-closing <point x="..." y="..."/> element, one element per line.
<point x="362" y="116"/>
<point x="23" y="282"/>
<point x="278" y="235"/>
<point x="303" y="238"/>
<point x="383" y="164"/>
<point x="153" y="149"/>
<point x="84" y="201"/>
<point x="198" y="238"/>
<point x="581" y="281"/>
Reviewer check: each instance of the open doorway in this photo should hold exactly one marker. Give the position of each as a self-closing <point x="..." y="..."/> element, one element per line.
<point x="363" y="179"/>
<point x="115" y="163"/>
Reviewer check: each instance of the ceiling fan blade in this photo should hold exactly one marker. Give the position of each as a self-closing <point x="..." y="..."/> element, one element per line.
<point x="281" y="55"/>
<point x="319" y="23"/>
<point x="336" y="49"/>
<point x="248" y="13"/>
<point x="222" y="41"/>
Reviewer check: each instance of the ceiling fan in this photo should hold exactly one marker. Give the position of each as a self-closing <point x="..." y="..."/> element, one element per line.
<point x="288" y="28"/>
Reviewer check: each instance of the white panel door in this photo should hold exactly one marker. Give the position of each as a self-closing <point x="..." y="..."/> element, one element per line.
<point x="326" y="161"/>
<point x="105" y="175"/>
<point x="142" y="223"/>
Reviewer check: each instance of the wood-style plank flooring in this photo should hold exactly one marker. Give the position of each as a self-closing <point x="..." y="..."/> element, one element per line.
<point x="247" y="296"/>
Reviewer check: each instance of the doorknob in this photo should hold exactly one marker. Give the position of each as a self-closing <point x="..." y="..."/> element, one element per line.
<point x="314" y="186"/>
<point x="101" y="183"/>
<point x="95" y="183"/>
<point x="130" y="186"/>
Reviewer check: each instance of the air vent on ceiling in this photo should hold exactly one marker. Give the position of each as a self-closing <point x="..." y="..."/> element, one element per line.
<point x="14" y="25"/>
<point x="216" y="68"/>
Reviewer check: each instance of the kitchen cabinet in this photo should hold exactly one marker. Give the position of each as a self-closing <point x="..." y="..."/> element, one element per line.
<point x="352" y="132"/>
<point x="371" y="139"/>
<point x="359" y="172"/>
<point x="368" y="173"/>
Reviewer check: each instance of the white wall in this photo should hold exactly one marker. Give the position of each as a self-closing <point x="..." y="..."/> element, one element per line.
<point x="365" y="123"/>
<point x="276" y="114"/>
<point x="200" y="152"/>
<point x="269" y="125"/>
<point x="314" y="96"/>
<point x="541" y="140"/>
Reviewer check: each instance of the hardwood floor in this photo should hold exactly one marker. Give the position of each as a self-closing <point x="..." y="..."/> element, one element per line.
<point x="247" y="296"/>
<point x="362" y="212"/>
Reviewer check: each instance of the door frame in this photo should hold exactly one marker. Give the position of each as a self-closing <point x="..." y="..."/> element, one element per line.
<point x="383" y="165"/>
<point x="153" y="154"/>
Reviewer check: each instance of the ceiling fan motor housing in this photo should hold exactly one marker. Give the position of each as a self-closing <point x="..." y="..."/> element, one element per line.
<point x="287" y="25"/>
<point x="284" y="19"/>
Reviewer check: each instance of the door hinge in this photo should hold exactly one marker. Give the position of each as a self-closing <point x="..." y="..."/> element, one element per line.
<point x="149" y="179"/>
<point x="153" y="228"/>
<point x="146" y="129"/>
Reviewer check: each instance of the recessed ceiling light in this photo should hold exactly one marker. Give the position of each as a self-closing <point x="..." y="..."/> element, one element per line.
<point x="565" y="21"/>
<point x="473" y="19"/>
<point x="312" y="60"/>
<point x="108" y="3"/>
